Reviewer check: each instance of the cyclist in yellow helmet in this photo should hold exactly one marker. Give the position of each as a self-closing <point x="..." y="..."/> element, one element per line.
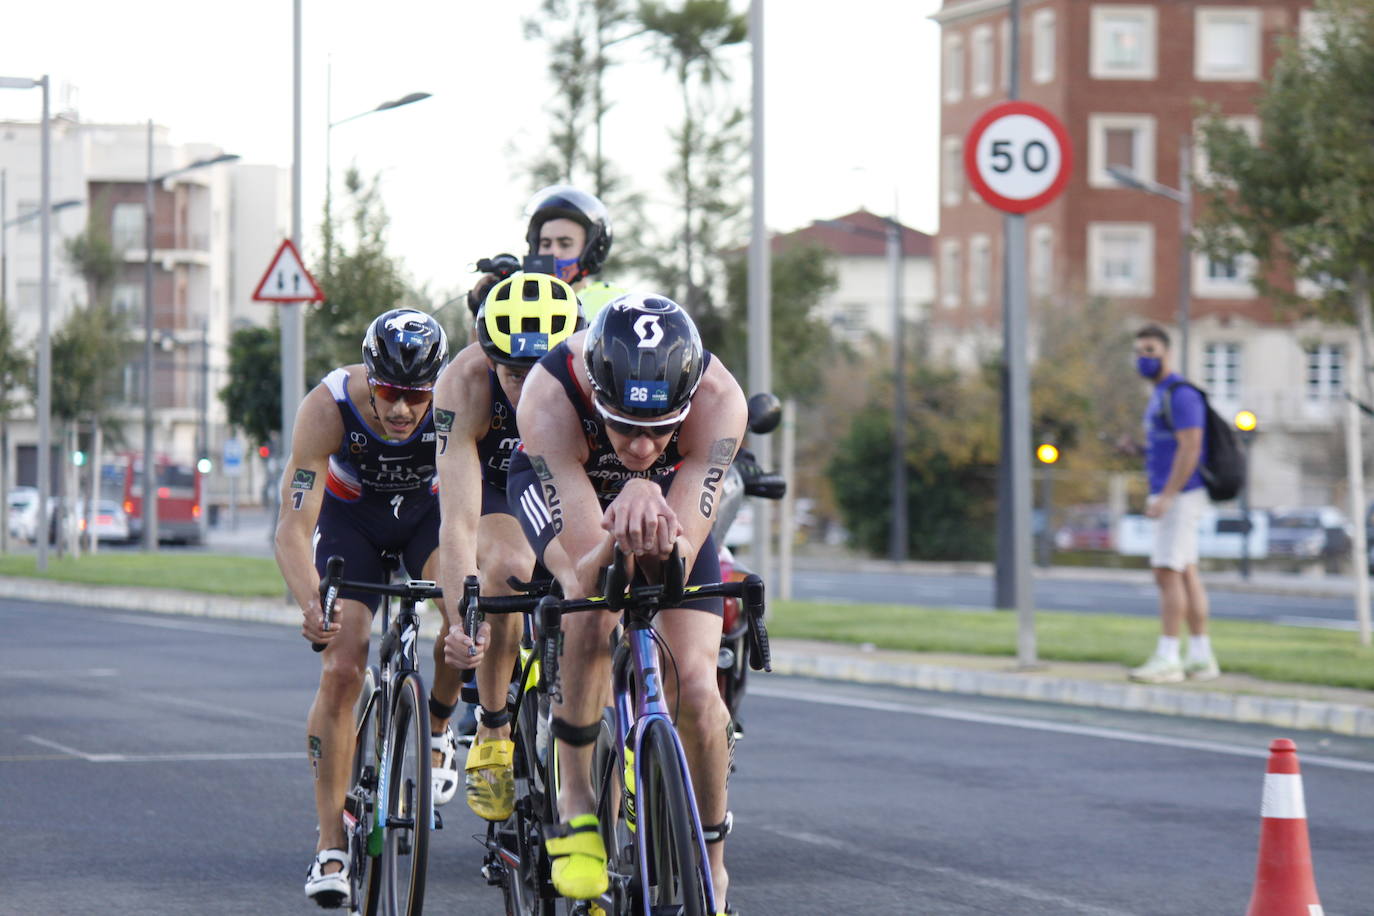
<point x="522" y="318"/>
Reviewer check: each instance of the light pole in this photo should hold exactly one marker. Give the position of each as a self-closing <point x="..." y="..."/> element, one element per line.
<point x="1183" y="196"/>
<point x="149" y="509"/>
<point x="328" y="164"/>
<point x="45" y="297"/>
<point x="892" y="234"/>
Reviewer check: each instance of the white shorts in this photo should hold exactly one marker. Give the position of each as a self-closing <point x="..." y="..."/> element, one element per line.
<point x="1175" y="545"/>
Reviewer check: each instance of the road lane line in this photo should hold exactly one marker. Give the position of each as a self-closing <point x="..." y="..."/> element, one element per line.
<point x="194" y="626"/>
<point x="183" y="757"/>
<point x="868" y="853"/>
<point x="1063" y="728"/>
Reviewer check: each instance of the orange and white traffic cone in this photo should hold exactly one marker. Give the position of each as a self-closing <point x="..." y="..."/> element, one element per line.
<point x="1284" y="884"/>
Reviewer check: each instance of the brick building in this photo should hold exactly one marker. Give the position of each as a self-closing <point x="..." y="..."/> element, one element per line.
<point x="1126" y="79"/>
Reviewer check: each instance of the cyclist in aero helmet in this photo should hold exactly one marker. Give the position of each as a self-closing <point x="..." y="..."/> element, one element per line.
<point x="360" y="484"/>
<point x="522" y="318"/>
<point x="627" y="430"/>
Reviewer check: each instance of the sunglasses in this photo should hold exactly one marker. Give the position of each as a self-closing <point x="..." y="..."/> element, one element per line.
<point x="412" y="396"/>
<point x="634" y="428"/>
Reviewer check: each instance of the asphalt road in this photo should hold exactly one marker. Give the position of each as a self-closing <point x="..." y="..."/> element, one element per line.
<point x="1062" y="594"/>
<point x="154" y="765"/>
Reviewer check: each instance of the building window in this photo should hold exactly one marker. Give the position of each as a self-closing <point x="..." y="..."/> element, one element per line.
<point x="126" y="226"/>
<point x="952" y="171"/>
<point x="1121" y="259"/>
<point x="951" y="266"/>
<point x="981" y="61"/>
<point x="1226" y="44"/>
<point x="1042" y="260"/>
<point x="954" y="68"/>
<point x="1004" y="36"/>
<point x="1312" y="27"/>
<point x="1221" y="371"/>
<point x="1224" y="277"/>
<point x="128" y="297"/>
<point x="1042" y="46"/>
<point x="1325" y="372"/>
<point x="979" y="269"/>
<point x="1125" y="141"/>
<point x="1123" y="42"/>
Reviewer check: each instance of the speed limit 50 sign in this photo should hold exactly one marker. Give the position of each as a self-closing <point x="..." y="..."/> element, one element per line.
<point x="1017" y="156"/>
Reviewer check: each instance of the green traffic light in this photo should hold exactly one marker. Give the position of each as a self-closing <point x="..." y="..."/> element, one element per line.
<point x="79" y="458"/>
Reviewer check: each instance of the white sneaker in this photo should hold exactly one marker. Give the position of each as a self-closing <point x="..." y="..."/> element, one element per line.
<point x="444" y="774"/>
<point x="1159" y="670"/>
<point x="328" y="890"/>
<point x="1202" y="669"/>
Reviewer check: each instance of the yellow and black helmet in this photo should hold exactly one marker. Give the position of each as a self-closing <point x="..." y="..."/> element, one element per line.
<point x="525" y="316"/>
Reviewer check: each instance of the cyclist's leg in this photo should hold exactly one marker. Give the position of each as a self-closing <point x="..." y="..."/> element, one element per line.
<point x="693" y="636"/>
<point x="329" y="725"/>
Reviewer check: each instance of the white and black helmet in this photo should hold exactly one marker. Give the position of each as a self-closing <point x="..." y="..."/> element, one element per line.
<point x="643" y="356"/>
<point x="563" y="201"/>
<point x="405" y="348"/>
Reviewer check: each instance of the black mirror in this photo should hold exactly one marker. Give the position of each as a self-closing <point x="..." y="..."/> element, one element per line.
<point x="765" y="413"/>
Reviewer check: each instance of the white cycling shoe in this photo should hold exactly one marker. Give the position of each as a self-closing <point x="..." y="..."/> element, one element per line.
<point x="328" y="890"/>
<point x="444" y="774"/>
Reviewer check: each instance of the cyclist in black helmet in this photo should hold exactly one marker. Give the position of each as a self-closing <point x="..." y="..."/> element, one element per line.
<point x="628" y="428"/>
<point x="360" y="483"/>
<point x="474" y="415"/>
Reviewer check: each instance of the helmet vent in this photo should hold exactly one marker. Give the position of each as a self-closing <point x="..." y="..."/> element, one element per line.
<point x="530" y="290"/>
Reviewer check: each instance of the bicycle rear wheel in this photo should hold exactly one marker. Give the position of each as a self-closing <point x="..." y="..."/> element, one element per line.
<point x="527" y="888"/>
<point x="409" y="801"/>
<point x="360" y="806"/>
<point x="673" y="860"/>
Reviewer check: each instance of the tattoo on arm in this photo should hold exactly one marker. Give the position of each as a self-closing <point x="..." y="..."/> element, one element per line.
<point x="303" y="480"/>
<point x="722" y="452"/>
<point x="551" y="500"/>
<point x="443" y="425"/>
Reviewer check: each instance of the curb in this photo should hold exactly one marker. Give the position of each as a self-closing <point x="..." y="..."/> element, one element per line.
<point x="1347" y="719"/>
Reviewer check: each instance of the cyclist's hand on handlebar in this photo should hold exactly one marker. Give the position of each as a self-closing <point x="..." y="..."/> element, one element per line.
<point x="312" y="623"/>
<point x="461" y="651"/>
<point x="642" y="521"/>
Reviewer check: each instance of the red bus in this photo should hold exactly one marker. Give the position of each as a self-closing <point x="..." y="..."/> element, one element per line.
<point x="179" y="515"/>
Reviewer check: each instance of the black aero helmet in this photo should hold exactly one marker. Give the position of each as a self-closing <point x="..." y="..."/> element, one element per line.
<point x="563" y="201"/>
<point x="405" y="348"/>
<point x="644" y="356"/>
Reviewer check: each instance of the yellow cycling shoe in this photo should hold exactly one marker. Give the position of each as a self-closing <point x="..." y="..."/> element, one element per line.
<point x="579" y="859"/>
<point x="489" y="777"/>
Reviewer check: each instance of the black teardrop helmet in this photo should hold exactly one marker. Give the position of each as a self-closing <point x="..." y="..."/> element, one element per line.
<point x="563" y="201"/>
<point x="405" y="348"/>
<point x="644" y="356"/>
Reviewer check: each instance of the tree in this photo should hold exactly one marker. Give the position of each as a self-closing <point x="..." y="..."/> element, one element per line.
<point x="1297" y="200"/>
<point x="252" y="398"/>
<point x="709" y="141"/>
<point x="801" y="276"/>
<point x="359" y="284"/>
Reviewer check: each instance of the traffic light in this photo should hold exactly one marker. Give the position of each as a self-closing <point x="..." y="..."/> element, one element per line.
<point x="79" y="458"/>
<point x="1047" y="453"/>
<point x="205" y="465"/>
<point x="264" y="451"/>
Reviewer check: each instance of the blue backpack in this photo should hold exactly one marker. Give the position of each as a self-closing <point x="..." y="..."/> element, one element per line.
<point x="1223" y="471"/>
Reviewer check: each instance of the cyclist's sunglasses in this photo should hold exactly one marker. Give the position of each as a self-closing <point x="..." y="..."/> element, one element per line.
<point x="412" y="396"/>
<point x="633" y="428"/>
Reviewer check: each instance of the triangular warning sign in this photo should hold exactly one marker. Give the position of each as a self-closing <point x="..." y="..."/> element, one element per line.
<point x="287" y="280"/>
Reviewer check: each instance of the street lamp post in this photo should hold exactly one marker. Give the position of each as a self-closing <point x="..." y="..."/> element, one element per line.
<point x="150" y="494"/>
<point x="328" y="164"/>
<point x="1183" y="196"/>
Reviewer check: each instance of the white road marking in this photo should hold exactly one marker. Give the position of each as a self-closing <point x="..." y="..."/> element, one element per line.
<point x="1063" y="728"/>
<point x="218" y="709"/>
<point x="195" y="626"/>
<point x="47" y="674"/>
<point x="165" y="758"/>
<point x="1059" y="903"/>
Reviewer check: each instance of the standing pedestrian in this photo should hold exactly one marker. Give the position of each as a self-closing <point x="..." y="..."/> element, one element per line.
<point x="1174" y="450"/>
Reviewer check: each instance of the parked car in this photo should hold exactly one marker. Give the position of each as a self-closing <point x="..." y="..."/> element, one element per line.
<point x="23" y="513"/>
<point x="1086" y="527"/>
<point x="1309" y="534"/>
<point x="111" y="523"/>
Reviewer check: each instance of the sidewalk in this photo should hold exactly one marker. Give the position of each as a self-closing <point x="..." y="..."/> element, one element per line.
<point x="1232" y="697"/>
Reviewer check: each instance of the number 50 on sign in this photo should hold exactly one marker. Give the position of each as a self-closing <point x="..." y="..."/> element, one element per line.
<point x="1017" y="156"/>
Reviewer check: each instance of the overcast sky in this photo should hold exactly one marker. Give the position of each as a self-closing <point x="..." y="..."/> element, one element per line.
<point x="851" y="106"/>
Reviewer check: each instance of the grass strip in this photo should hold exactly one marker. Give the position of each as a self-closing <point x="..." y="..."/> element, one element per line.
<point x="218" y="574"/>
<point x="1302" y="655"/>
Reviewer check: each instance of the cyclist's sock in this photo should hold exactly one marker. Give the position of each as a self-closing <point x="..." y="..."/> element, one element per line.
<point x="579" y="858"/>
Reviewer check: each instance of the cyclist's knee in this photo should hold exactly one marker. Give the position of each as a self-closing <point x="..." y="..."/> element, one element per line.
<point x="699" y="700"/>
<point x="341" y="677"/>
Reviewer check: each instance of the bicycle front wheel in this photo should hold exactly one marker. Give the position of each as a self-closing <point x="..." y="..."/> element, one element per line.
<point x="671" y="871"/>
<point x="409" y="802"/>
<point x="360" y="806"/>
